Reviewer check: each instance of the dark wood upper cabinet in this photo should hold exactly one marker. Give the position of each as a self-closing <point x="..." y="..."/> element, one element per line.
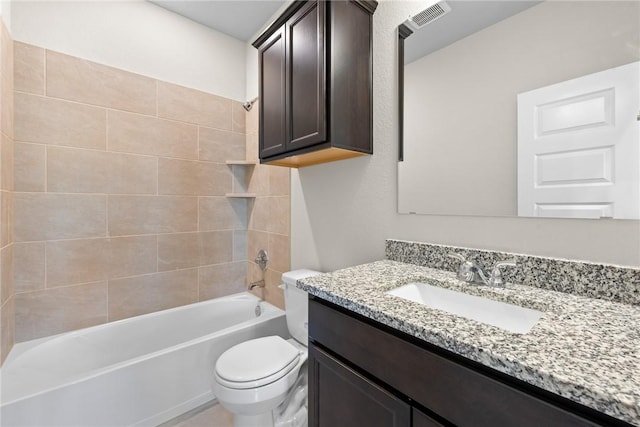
<point x="316" y="83"/>
<point x="272" y="95"/>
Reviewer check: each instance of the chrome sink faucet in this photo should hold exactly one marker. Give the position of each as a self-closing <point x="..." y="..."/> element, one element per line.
<point x="472" y="272"/>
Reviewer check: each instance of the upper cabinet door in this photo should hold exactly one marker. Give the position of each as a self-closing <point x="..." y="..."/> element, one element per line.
<point x="306" y="76"/>
<point x="273" y="123"/>
<point x="351" y="79"/>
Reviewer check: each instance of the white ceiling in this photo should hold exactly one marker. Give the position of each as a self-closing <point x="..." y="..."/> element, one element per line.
<point x="240" y="19"/>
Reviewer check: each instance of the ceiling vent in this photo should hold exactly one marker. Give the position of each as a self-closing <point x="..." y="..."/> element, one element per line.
<point x="428" y="15"/>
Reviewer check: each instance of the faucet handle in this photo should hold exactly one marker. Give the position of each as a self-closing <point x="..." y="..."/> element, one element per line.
<point x="466" y="270"/>
<point x="456" y="256"/>
<point x="496" y="274"/>
<point x="509" y="262"/>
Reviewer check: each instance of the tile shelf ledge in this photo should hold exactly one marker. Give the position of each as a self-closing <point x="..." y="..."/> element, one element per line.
<point x="242" y="162"/>
<point x="241" y="195"/>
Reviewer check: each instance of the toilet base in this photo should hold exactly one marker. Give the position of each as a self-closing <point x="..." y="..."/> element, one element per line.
<point x="260" y="420"/>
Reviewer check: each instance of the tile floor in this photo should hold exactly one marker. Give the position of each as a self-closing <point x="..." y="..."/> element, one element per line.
<point x="208" y="415"/>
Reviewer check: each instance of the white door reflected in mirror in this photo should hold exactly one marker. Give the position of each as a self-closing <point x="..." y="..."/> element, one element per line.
<point x="579" y="145"/>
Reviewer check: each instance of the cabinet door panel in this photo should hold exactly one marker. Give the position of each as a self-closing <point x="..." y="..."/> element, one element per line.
<point x="340" y="397"/>
<point x="351" y="76"/>
<point x="272" y="56"/>
<point x="306" y="77"/>
<point x="421" y="419"/>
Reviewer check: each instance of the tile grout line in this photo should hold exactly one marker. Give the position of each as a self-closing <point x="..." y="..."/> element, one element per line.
<point x="70" y="285"/>
<point x="46" y="272"/>
<point x="157" y="102"/>
<point x="44" y="72"/>
<point x="108" y="236"/>
<point x="125" y="111"/>
<point x="46" y="169"/>
<point x="46" y="191"/>
<point x="106" y="131"/>
<point x="198" y="203"/>
<point x="157" y="254"/>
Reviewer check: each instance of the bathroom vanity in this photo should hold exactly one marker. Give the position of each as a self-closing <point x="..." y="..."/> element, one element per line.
<point x="383" y="361"/>
<point x="365" y="361"/>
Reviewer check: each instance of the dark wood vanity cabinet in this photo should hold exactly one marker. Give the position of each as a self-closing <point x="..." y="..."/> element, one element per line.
<point x="364" y="373"/>
<point x="349" y="399"/>
<point x="315" y="83"/>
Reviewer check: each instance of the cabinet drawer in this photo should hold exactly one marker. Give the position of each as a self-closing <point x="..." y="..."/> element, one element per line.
<point x="459" y="394"/>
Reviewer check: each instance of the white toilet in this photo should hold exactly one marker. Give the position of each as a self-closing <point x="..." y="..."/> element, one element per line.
<point x="255" y="377"/>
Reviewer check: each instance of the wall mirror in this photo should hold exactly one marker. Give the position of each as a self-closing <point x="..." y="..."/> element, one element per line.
<point x="515" y="108"/>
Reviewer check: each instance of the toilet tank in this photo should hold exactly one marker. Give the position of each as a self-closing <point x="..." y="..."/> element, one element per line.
<point x="296" y="304"/>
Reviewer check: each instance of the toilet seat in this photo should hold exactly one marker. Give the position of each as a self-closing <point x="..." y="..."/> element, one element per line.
<point x="256" y="363"/>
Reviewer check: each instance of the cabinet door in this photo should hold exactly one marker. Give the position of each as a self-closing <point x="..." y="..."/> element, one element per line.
<point x="420" y="419"/>
<point x="306" y="77"/>
<point x="272" y="57"/>
<point x="351" y="76"/>
<point x="339" y="396"/>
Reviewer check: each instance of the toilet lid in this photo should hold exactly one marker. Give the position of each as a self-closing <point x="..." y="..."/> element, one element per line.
<point x="257" y="359"/>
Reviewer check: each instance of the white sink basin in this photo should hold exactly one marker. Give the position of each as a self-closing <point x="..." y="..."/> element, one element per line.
<point x="510" y="317"/>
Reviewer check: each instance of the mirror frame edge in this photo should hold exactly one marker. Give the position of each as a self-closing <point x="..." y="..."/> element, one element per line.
<point x="403" y="32"/>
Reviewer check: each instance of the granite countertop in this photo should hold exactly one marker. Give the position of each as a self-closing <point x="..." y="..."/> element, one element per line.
<point x="584" y="349"/>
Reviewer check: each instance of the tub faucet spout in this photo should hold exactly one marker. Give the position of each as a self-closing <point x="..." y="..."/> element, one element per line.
<point x="258" y="284"/>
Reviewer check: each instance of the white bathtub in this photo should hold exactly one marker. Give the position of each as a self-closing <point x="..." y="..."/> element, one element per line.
<point x="140" y="371"/>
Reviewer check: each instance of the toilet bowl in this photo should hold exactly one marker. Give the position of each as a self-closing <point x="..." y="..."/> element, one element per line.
<point x="256" y="377"/>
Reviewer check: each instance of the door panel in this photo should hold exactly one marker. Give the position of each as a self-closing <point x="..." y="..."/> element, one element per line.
<point x="340" y="397"/>
<point x="306" y="78"/>
<point x="350" y="76"/>
<point x="421" y="419"/>
<point x="272" y="57"/>
<point x="579" y="147"/>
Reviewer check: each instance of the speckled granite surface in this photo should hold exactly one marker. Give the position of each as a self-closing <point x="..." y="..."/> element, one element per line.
<point x="584" y="349"/>
<point x="610" y="282"/>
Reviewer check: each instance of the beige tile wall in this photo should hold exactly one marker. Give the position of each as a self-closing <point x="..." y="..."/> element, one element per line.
<point x="120" y="206"/>
<point x="269" y="218"/>
<point x="7" y="298"/>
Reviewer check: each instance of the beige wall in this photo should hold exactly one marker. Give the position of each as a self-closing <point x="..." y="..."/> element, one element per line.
<point x="343" y="211"/>
<point x="7" y="298"/>
<point x="120" y="200"/>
